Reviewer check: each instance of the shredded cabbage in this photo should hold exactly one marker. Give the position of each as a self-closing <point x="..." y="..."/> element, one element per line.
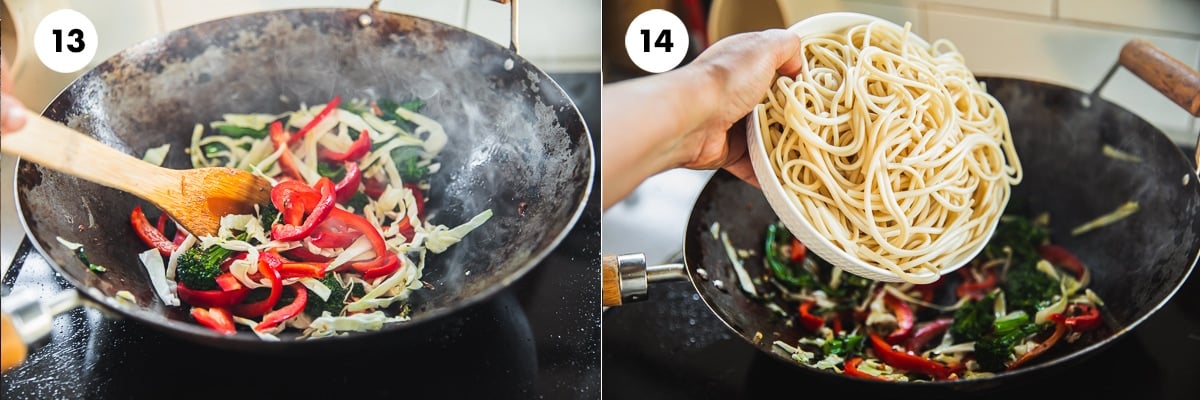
<point x="440" y="239"/>
<point x="158" y="276"/>
<point x="329" y="325"/>
<point x="156" y="155"/>
<point x="69" y="244"/>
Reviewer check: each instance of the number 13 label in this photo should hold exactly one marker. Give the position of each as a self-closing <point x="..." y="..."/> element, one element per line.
<point x="656" y="41"/>
<point x="65" y="41"/>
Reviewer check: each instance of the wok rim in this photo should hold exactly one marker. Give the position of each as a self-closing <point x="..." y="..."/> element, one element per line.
<point x="248" y="340"/>
<point x="983" y="383"/>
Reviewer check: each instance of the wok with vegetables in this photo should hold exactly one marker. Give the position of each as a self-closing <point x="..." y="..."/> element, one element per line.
<point x="514" y="144"/>
<point x="1022" y="298"/>
<point x="322" y="257"/>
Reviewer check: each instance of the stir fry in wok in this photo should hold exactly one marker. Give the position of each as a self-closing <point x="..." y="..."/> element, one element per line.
<point x="344" y="239"/>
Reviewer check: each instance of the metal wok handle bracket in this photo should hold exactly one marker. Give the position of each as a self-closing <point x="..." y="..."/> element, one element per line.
<point x="626" y="278"/>
<point x="512" y="34"/>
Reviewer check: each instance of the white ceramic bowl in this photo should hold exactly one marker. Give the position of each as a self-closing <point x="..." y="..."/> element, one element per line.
<point x="781" y="201"/>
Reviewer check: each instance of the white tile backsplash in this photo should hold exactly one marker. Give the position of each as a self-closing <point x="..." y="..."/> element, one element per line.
<point x="556" y="35"/>
<point x="1181" y="16"/>
<point x="178" y="14"/>
<point x="1064" y="54"/>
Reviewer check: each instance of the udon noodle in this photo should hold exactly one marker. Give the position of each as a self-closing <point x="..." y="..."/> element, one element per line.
<point x="891" y="148"/>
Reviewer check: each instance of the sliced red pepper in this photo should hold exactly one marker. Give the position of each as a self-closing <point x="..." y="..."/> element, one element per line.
<point x="268" y="264"/>
<point x="161" y="224"/>
<point x="1083" y="317"/>
<point x="807" y="319"/>
<point x="215" y="318"/>
<point x="419" y="196"/>
<point x="927" y="332"/>
<point x="1060" y="329"/>
<point x="904" y="318"/>
<point x="837" y="323"/>
<point x="334" y="234"/>
<point x="301" y="270"/>
<point x="329" y="107"/>
<point x="1062" y="258"/>
<point x="285" y="313"/>
<point x="346" y="188"/>
<point x="357" y="150"/>
<point x="288" y="231"/>
<point x="391" y="265"/>
<point x="374" y="187"/>
<point x="280" y="138"/>
<point x="909" y="362"/>
<point x="149" y="235"/>
<point x="977" y="290"/>
<point x="211" y="298"/>
<point x="852" y="370"/>
<point x="179" y="237"/>
<point x="292" y="198"/>
<point x="228" y="282"/>
<point x="360" y="224"/>
<point x="303" y="254"/>
<point x="798" y="250"/>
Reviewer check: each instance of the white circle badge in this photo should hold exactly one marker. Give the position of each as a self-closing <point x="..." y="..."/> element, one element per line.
<point x="656" y="41"/>
<point x="65" y="41"/>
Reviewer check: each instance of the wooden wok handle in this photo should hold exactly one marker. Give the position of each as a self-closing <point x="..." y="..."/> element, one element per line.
<point x="610" y="284"/>
<point x="12" y="347"/>
<point x="1169" y="76"/>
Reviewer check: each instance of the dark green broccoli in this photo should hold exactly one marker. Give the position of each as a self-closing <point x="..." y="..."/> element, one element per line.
<point x="337" y="298"/>
<point x="267" y="214"/>
<point x="407" y="159"/>
<point x="198" y="268"/>
<point x="358" y="201"/>
<point x="1019" y="234"/>
<point x="974" y="320"/>
<point x="994" y="349"/>
<point x="1026" y="288"/>
<point x="329" y="171"/>
<point x="845" y="346"/>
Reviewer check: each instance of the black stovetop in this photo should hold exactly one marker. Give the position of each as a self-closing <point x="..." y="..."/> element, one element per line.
<point x="538" y="339"/>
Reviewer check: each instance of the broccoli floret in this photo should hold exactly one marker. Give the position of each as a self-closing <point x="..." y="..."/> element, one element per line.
<point x="1019" y="234"/>
<point x="407" y="159"/>
<point x="267" y="214"/>
<point x="993" y="350"/>
<point x="1026" y="288"/>
<point x="198" y="268"/>
<point x="844" y="346"/>
<point x="358" y="201"/>
<point x="337" y="298"/>
<point x="974" y="320"/>
<point x="335" y="174"/>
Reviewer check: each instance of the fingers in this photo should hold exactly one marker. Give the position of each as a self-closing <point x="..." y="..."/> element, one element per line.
<point x="744" y="170"/>
<point x="785" y="51"/>
<point x="12" y="114"/>
<point x="738" y="157"/>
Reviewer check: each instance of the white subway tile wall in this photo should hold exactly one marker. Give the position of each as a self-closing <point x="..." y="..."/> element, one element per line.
<point x="1066" y="42"/>
<point x="556" y="35"/>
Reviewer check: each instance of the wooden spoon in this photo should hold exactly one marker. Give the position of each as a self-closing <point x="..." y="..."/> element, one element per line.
<point x="196" y="198"/>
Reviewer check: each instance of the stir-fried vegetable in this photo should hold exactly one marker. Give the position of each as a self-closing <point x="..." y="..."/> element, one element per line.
<point x="344" y="238"/>
<point x="1008" y="307"/>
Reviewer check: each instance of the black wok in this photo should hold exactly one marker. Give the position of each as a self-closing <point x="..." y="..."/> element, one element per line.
<point x="517" y="144"/>
<point x="1137" y="263"/>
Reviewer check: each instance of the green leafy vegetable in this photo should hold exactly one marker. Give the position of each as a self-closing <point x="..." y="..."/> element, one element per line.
<point x="792" y="275"/>
<point x="358" y="201"/>
<point x="267" y="214"/>
<point x="995" y="349"/>
<point x="1018" y="233"/>
<point x="327" y="170"/>
<point x="974" y="320"/>
<point x="1026" y="288"/>
<point x="239" y="131"/>
<point x="407" y="159"/>
<point x="844" y="345"/>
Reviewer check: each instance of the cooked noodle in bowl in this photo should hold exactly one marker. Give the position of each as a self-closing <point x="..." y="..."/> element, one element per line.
<point x="890" y="149"/>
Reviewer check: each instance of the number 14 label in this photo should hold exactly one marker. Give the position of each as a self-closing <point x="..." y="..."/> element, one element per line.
<point x="656" y="41"/>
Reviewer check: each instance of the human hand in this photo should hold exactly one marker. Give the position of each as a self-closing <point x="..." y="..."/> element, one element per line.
<point x="742" y="69"/>
<point x="12" y="113"/>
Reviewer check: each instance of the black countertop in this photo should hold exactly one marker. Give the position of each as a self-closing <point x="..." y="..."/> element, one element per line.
<point x="539" y="339"/>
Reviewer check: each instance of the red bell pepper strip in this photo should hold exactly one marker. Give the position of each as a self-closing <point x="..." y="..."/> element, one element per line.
<point x="904" y="318"/>
<point x="798" y="250"/>
<point x="268" y="264"/>
<point x="1063" y="258"/>
<point x="346" y="188"/>
<point x="179" y="237"/>
<point x="360" y="224"/>
<point x="292" y="198"/>
<point x="302" y="254"/>
<point x="228" y="282"/>
<point x="1060" y="330"/>
<point x="333" y="103"/>
<point x="288" y="231"/>
<point x="280" y="138"/>
<point x="357" y="150"/>
<point x="285" y="313"/>
<point x="301" y="270"/>
<point x="211" y="298"/>
<point x="909" y="362"/>
<point x="161" y="224"/>
<point x="215" y="318"/>
<point x="419" y="196"/>
<point x="1083" y="317"/>
<point x="977" y="290"/>
<point x="334" y="234"/>
<point x="807" y="319"/>
<point x="927" y="332"/>
<point x="149" y="235"/>
<point x="374" y="187"/>
<point x="852" y="370"/>
<point x="391" y="265"/>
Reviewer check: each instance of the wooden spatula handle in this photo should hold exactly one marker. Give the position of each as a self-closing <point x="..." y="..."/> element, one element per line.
<point x="12" y="347"/>
<point x="1171" y="77"/>
<point x="610" y="284"/>
<point x="60" y="148"/>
